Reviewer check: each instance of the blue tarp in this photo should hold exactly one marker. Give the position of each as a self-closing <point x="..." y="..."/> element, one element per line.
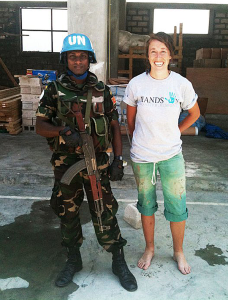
<point x="213" y="131"/>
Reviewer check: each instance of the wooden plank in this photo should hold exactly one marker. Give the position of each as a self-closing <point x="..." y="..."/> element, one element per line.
<point x="13" y="127"/>
<point x="9" y="119"/>
<point x="211" y="83"/>
<point x="11" y="98"/>
<point x="139" y="56"/>
<point x="123" y="71"/>
<point x="8" y="72"/>
<point x="9" y="92"/>
<point x="10" y="103"/>
<point x="10" y="113"/>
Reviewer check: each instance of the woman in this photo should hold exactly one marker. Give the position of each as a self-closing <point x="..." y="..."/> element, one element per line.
<point x="154" y="100"/>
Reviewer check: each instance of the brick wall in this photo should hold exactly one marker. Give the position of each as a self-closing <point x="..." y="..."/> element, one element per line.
<point x="138" y="20"/>
<point x="10" y="50"/>
<point x="221" y="28"/>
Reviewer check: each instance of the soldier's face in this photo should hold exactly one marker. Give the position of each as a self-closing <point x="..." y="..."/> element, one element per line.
<point x="78" y="61"/>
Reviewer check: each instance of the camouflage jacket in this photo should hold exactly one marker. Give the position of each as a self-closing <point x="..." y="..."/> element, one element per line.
<point x="103" y="109"/>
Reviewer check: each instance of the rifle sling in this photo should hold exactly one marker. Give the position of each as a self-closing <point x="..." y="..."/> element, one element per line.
<point x="88" y="108"/>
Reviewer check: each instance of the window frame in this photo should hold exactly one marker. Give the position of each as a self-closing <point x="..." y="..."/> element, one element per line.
<point x="151" y="6"/>
<point x="200" y="35"/>
<point x="51" y="8"/>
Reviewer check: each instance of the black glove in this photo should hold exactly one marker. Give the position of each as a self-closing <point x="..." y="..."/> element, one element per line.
<point x="116" y="170"/>
<point x="72" y="140"/>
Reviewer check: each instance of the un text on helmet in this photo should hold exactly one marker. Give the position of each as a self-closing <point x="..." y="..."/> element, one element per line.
<point x="76" y="39"/>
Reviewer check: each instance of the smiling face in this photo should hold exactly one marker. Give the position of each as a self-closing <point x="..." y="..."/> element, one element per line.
<point x="78" y="61"/>
<point x="159" y="56"/>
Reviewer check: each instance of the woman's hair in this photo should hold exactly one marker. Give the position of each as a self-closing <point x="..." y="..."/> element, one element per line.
<point x="163" y="38"/>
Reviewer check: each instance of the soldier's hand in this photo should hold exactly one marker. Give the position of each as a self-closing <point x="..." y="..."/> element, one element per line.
<point x="116" y="170"/>
<point x="71" y="137"/>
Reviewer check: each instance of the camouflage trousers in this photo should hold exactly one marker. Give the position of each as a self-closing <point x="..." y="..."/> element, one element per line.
<point x="67" y="199"/>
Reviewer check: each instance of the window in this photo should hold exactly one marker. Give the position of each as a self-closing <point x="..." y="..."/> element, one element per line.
<point x="184" y="1"/>
<point x="195" y="21"/>
<point x="43" y="29"/>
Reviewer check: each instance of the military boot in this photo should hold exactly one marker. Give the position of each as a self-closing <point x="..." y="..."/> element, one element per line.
<point x="120" y="269"/>
<point x="73" y="265"/>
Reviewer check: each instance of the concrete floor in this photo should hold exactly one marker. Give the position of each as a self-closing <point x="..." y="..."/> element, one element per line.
<point x="30" y="250"/>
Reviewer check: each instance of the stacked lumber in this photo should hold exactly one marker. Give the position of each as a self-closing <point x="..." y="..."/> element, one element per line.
<point x="10" y="110"/>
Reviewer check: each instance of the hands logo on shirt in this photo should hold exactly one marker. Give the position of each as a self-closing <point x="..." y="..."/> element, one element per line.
<point x="172" y="98"/>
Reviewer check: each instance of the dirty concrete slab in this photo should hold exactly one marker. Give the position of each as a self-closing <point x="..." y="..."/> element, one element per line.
<point x="30" y="250"/>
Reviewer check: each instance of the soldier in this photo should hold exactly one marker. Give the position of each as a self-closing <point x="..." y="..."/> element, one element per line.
<point x="57" y="120"/>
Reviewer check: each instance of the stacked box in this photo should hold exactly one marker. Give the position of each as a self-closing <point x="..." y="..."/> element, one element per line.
<point x="207" y="63"/>
<point x="118" y="92"/>
<point x="45" y="75"/>
<point x="210" y="58"/>
<point x="31" y="89"/>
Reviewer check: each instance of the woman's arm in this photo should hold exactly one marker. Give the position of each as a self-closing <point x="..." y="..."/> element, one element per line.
<point x="193" y="115"/>
<point x="131" y="114"/>
<point x="117" y="139"/>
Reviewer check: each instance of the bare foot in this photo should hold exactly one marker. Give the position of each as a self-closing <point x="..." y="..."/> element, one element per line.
<point x="183" y="266"/>
<point x="146" y="259"/>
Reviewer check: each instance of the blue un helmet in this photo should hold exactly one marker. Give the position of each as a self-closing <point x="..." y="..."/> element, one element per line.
<point x="77" y="41"/>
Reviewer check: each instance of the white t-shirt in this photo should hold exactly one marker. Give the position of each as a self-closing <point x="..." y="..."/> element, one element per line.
<point x="156" y="136"/>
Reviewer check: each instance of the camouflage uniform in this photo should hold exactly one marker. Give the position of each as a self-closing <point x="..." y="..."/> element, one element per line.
<point x="66" y="200"/>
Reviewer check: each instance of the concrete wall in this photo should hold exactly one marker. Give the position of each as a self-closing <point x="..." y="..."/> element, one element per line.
<point x="90" y="18"/>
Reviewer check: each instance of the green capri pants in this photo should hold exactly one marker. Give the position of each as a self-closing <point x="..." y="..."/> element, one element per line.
<point x="172" y="174"/>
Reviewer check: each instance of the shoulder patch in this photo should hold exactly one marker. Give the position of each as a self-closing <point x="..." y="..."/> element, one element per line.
<point x="113" y="101"/>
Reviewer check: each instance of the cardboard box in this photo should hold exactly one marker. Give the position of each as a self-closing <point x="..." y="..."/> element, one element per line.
<point x="30" y="97"/>
<point x="224" y="53"/>
<point x="203" y="53"/>
<point x="27" y="121"/>
<point x="23" y="80"/>
<point x="35" y="81"/>
<point x="27" y="105"/>
<point x="45" y="75"/>
<point x="27" y="113"/>
<point x="117" y="90"/>
<point x="224" y="63"/>
<point x="216" y="53"/>
<point x="207" y="63"/>
<point x="35" y="105"/>
<point x="36" y="90"/>
<point x="25" y="89"/>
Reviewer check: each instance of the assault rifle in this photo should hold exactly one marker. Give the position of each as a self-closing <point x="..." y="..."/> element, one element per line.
<point x="89" y="163"/>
